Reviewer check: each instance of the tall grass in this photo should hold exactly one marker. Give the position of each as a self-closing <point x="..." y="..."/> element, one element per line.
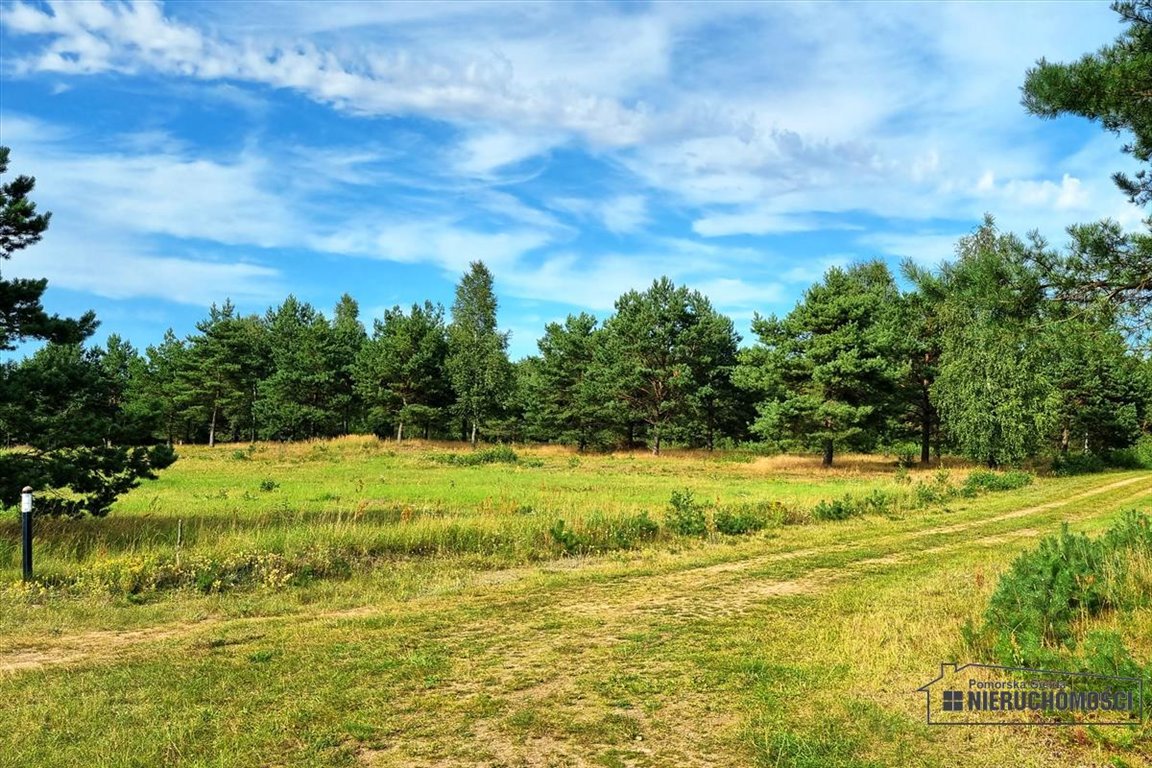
<point x="320" y="509"/>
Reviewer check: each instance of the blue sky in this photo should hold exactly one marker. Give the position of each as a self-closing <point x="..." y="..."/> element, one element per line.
<point x="193" y="152"/>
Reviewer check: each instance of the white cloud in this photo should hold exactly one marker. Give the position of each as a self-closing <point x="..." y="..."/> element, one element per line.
<point x="482" y="154"/>
<point x="889" y="116"/>
<point x="752" y="222"/>
<point x="926" y="248"/>
<point x="620" y="214"/>
<point x="122" y="267"/>
<point x="741" y="119"/>
<point x="441" y="242"/>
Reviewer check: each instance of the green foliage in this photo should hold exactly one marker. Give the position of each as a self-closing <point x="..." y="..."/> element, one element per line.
<point x="497" y="454"/>
<point x="568" y="392"/>
<point x="994" y="391"/>
<point x="477" y="362"/>
<point x="665" y="354"/>
<point x="22" y="315"/>
<point x="74" y="481"/>
<point x="1066" y="464"/>
<point x="828" y="371"/>
<point x="939" y="491"/>
<point x="982" y="480"/>
<point x="568" y="540"/>
<point x="65" y="404"/>
<point x="602" y="534"/>
<point x="836" y="509"/>
<point x="740" y="519"/>
<point x="297" y="400"/>
<point x="400" y="373"/>
<point x="220" y="374"/>
<point x="1039" y="602"/>
<point x="1109" y="86"/>
<point x="685" y="515"/>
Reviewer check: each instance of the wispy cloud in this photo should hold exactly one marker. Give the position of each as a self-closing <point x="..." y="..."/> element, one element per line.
<point x="581" y="149"/>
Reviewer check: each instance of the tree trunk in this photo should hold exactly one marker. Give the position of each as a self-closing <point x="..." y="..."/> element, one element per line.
<point x="925" y="428"/>
<point x="212" y="427"/>
<point x="1065" y="439"/>
<point x="656" y="443"/>
<point x="827" y="461"/>
<point x="400" y="431"/>
<point x="472" y="440"/>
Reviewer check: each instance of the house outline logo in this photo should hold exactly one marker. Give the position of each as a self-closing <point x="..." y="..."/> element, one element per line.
<point x="947" y="693"/>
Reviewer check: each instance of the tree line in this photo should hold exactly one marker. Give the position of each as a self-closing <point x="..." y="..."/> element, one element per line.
<point x="980" y="356"/>
<point x="1013" y="349"/>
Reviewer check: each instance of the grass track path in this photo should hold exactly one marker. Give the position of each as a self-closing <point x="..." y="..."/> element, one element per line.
<point x="568" y="642"/>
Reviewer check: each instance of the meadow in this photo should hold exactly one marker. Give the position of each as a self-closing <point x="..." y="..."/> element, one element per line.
<point x="353" y="602"/>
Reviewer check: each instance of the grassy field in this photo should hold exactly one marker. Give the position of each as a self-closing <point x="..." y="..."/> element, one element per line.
<point x="443" y="622"/>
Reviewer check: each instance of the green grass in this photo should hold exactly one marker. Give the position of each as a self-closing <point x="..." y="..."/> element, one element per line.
<point x="797" y="645"/>
<point x="357" y="500"/>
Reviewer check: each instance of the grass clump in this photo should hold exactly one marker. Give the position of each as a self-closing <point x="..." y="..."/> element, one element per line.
<point x="877" y="502"/>
<point x="738" y="519"/>
<point x="983" y="480"/>
<point x="497" y="454"/>
<point x="140" y="575"/>
<point x="604" y="534"/>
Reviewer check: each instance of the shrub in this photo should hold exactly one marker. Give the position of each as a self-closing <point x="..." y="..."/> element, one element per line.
<point x="746" y="518"/>
<point x="685" y="516"/>
<point x="629" y="531"/>
<point x="569" y="540"/>
<point x="497" y="454"/>
<point x="836" y="509"/>
<point x="1078" y="464"/>
<point x="601" y="534"/>
<point x="1039" y="602"/>
<point x="986" y="480"/>
<point x="269" y="485"/>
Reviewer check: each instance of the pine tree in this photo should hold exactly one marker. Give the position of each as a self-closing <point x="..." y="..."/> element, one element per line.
<point x="297" y="398"/>
<point x="666" y="352"/>
<point x="568" y="398"/>
<point x="348" y="337"/>
<point x="833" y="363"/>
<point x="400" y="372"/>
<point x="22" y="314"/>
<point x="60" y="403"/>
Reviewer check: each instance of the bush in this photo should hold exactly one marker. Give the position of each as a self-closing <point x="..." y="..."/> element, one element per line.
<point x="685" y="516"/>
<point x="906" y="454"/>
<point x="983" y="480"/>
<point x="631" y="530"/>
<point x="1078" y="464"/>
<point x="1047" y="592"/>
<point x="603" y="534"/>
<point x="746" y="518"/>
<point x="877" y="502"/>
<point x="497" y="454"/>
<point x="836" y="509"/>
<point x="571" y="542"/>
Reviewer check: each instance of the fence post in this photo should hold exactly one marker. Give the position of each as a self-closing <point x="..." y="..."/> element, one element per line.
<point x="26" y="530"/>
